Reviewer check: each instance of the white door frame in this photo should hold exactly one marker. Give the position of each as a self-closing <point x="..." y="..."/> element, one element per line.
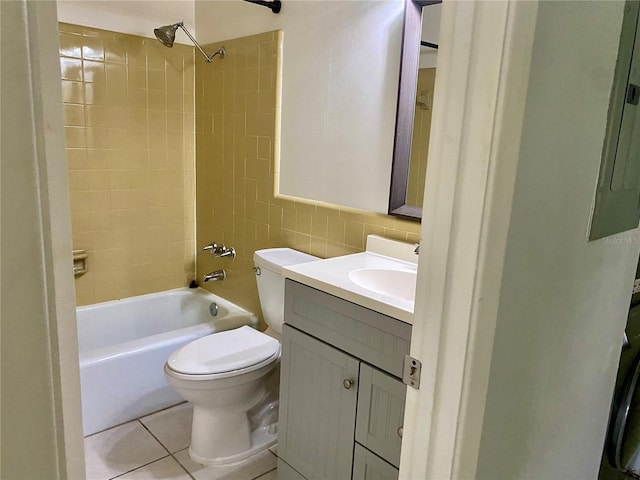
<point x="483" y="72"/>
<point x="39" y="317"/>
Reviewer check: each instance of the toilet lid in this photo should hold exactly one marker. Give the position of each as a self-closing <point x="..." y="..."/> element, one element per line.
<point x="223" y="352"/>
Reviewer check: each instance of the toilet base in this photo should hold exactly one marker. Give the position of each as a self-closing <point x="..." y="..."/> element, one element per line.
<point x="261" y="439"/>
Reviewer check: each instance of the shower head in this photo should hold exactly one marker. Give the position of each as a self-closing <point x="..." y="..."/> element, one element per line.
<point x="167" y="35"/>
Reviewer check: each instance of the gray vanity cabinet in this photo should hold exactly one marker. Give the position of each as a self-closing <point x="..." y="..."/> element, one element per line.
<point x="318" y="396"/>
<point x="341" y="398"/>
<point x="367" y="466"/>
<point x="381" y="399"/>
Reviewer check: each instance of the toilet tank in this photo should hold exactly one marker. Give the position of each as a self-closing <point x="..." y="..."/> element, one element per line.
<point x="269" y="263"/>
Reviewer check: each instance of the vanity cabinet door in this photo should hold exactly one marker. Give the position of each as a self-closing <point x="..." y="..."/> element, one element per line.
<point x="381" y="400"/>
<point x="318" y="396"/>
<point x="368" y="466"/>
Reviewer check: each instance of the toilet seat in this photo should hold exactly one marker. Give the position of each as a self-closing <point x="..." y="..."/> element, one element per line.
<point x="221" y="354"/>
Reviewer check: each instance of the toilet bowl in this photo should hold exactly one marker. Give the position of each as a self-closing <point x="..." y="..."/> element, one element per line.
<point x="232" y="377"/>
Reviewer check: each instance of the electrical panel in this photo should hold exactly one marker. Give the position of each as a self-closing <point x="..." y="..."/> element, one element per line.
<point x="617" y="206"/>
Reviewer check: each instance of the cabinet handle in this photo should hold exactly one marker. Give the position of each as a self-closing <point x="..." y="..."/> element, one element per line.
<point x="347" y="383"/>
<point x="399" y="431"/>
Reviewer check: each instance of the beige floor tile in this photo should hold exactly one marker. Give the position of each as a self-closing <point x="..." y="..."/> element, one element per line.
<point x="165" y="469"/>
<point x="250" y="469"/>
<point x="119" y="450"/>
<point x="272" y="475"/>
<point x="172" y="426"/>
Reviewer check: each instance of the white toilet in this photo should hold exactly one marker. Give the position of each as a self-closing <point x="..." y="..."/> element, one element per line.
<point x="231" y="377"/>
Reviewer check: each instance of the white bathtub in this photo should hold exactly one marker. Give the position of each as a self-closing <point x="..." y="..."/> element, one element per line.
<point x="124" y="344"/>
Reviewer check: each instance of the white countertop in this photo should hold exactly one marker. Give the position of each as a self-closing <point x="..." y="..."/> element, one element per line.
<point x="332" y="276"/>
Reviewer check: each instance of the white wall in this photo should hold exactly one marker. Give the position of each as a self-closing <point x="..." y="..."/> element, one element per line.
<point x="134" y="17"/>
<point x="339" y="91"/>
<point x="430" y="33"/>
<point x="563" y="300"/>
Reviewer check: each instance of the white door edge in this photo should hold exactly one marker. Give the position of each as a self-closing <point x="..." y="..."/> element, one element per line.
<point x="481" y="85"/>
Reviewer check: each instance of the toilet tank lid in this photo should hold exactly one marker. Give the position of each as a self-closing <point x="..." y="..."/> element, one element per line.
<point x="275" y="258"/>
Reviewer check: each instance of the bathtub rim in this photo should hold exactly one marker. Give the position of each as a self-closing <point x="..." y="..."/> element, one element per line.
<point x="198" y="330"/>
<point x="196" y="291"/>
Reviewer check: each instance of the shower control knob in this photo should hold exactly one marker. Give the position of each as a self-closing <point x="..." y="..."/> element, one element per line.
<point x="212" y="248"/>
<point x="347" y="383"/>
<point x="220" y="251"/>
<point x="400" y="431"/>
<point x="227" y="252"/>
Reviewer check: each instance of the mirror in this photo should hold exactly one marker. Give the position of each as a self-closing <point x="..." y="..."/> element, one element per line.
<point x="415" y="100"/>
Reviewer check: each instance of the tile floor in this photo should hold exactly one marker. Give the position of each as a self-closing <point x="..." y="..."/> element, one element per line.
<point x="156" y="447"/>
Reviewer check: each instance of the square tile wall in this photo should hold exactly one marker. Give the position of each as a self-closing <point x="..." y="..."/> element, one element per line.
<point x="236" y="134"/>
<point x="420" y="136"/>
<point x="130" y="131"/>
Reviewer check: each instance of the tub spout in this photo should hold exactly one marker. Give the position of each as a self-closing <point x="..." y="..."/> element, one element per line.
<point x="215" y="276"/>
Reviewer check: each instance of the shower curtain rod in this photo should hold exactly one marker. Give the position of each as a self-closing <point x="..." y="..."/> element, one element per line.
<point x="274" y="5"/>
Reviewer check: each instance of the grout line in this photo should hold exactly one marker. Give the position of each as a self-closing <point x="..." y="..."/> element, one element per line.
<point x="135" y="419"/>
<point x="170" y="454"/>
<point x="110" y="428"/>
<point x="141" y="466"/>
<point x="156" y="438"/>
<point x="163" y="409"/>
<point x="183" y="467"/>
<point x="265" y="473"/>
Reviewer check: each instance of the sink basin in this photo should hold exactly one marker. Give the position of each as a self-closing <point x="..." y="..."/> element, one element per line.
<point x="382" y="279"/>
<point x="395" y="283"/>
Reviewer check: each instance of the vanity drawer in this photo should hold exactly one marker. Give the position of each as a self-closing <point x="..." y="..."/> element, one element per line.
<point x="373" y="337"/>
<point x="381" y="401"/>
<point x="368" y="466"/>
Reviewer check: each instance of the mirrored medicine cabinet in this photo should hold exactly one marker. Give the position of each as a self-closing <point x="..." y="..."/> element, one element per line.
<point x="415" y="107"/>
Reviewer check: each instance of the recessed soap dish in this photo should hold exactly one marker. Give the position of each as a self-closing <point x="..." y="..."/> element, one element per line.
<point x="80" y="262"/>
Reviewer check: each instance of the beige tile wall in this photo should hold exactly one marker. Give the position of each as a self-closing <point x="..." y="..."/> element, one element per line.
<point x="235" y="171"/>
<point x="420" y="138"/>
<point x="130" y="130"/>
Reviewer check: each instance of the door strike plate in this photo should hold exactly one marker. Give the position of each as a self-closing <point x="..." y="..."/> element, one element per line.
<point x="411" y="372"/>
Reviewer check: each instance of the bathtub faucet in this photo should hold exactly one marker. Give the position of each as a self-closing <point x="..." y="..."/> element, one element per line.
<point x="215" y="276"/>
<point x="220" y="250"/>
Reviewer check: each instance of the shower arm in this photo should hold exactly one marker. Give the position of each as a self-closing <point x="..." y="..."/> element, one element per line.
<point x="274" y="5"/>
<point x="209" y="58"/>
